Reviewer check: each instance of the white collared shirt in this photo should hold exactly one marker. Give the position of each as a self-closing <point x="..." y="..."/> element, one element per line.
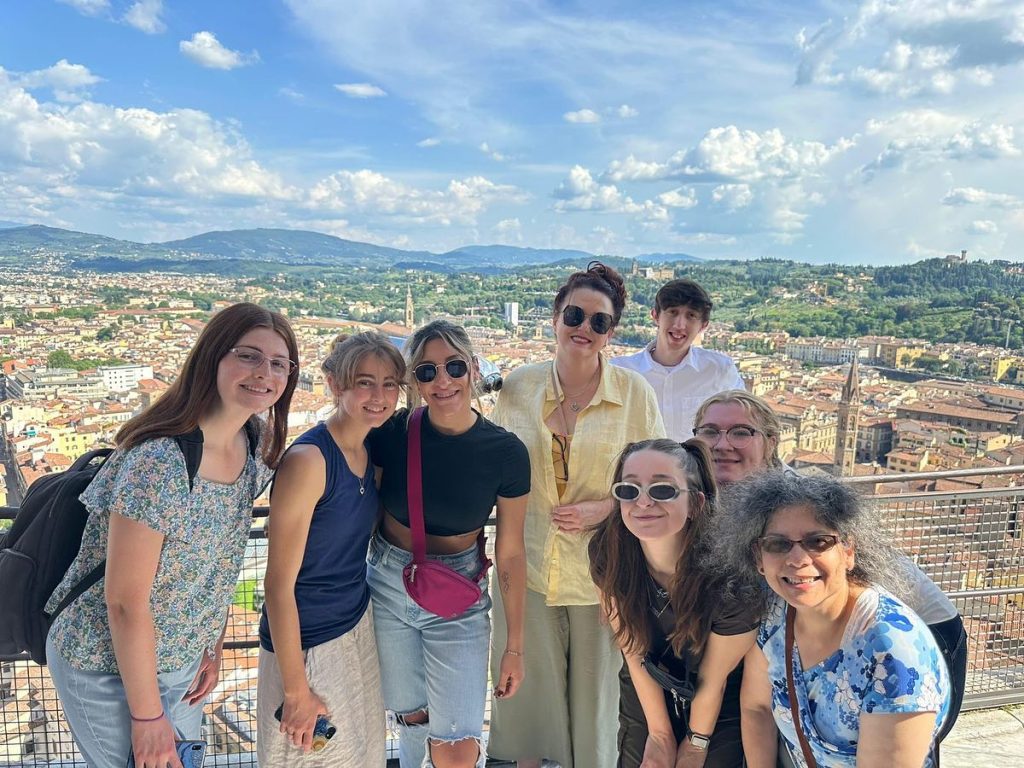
<point x="681" y="389"/>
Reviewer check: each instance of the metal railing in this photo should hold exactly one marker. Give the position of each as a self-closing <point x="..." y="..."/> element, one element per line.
<point x="969" y="539"/>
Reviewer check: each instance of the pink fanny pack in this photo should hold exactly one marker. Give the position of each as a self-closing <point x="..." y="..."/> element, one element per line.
<point x="432" y="585"/>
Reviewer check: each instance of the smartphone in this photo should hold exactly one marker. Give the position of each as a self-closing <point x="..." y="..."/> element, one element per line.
<point x="191" y="752"/>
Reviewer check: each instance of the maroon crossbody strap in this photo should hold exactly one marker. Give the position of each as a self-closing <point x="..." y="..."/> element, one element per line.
<point x="794" y="705"/>
<point x="414" y="490"/>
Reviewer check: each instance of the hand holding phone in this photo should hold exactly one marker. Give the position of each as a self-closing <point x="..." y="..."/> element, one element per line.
<point x="191" y="752"/>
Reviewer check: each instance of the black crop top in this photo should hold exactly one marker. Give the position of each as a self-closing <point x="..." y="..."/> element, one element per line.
<point x="462" y="474"/>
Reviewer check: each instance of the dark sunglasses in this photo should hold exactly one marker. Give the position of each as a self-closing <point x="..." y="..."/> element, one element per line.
<point x="655" y="491"/>
<point x="814" y="544"/>
<point x="427" y="372"/>
<point x="600" y="322"/>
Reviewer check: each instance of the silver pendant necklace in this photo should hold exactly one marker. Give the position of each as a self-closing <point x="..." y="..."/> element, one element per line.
<point x="574" y="405"/>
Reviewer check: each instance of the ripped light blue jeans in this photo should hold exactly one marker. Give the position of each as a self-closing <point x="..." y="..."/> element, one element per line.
<point x="426" y="662"/>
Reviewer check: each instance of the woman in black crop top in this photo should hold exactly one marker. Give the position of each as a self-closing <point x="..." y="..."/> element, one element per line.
<point x="679" y="689"/>
<point x="434" y="670"/>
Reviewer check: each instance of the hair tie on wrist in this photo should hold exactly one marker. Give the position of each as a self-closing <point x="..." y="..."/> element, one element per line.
<point x="145" y="719"/>
<point x="513" y="653"/>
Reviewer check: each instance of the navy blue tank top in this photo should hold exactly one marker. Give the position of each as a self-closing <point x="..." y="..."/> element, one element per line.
<point x="331" y="590"/>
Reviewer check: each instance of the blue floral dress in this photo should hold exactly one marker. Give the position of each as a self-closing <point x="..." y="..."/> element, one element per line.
<point x="887" y="662"/>
<point x="205" y="531"/>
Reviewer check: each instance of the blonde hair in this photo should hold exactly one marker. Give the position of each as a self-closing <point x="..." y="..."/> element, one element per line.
<point x="759" y="411"/>
<point x="348" y="352"/>
<point x="453" y="335"/>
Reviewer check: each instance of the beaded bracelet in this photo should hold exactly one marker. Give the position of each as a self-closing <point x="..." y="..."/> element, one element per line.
<point x="145" y="719"/>
<point x="513" y="653"/>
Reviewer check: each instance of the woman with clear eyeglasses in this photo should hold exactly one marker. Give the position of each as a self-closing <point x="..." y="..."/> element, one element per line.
<point x="682" y="639"/>
<point x="434" y="668"/>
<point x="849" y="674"/>
<point x="574" y="413"/>
<point x="134" y="657"/>
<point x="742" y="432"/>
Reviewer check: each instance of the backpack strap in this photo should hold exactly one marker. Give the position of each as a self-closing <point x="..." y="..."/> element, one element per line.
<point x="191" y="445"/>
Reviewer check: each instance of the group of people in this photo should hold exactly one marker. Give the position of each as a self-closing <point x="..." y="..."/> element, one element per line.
<point x="612" y="542"/>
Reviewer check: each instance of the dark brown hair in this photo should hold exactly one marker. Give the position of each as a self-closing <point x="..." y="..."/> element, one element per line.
<point x="597" y="277"/>
<point x="194" y="392"/>
<point x="619" y="568"/>
<point x="684" y="292"/>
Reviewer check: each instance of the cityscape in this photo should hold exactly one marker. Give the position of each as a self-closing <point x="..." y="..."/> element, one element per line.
<point x="82" y="351"/>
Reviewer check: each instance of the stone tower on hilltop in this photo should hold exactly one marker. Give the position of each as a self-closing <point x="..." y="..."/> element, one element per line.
<point x="846" y="428"/>
<point x="410" y="314"/>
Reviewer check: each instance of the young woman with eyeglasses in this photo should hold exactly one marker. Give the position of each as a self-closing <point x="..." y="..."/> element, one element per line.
<point x="134" y="657"/>
<point x="679" y="690"/>
<point x="742" y="432"/>
<point x="433" y="669"/>
<point x="318" y="656"/>
<point x="866" y="676"/>
<point x="574" y="413"/>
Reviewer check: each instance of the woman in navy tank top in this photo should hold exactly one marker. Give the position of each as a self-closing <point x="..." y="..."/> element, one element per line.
<point x="318" y="657"/>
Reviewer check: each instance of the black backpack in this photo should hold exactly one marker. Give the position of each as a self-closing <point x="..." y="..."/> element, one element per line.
<point x="44" y="540"/>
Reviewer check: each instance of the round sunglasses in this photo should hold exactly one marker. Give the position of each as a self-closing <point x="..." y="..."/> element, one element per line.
<point x="655" y="491"/>
<point x="427" y="372"/>
<point x="600" y="322"/>
<point x="812" y="544"/>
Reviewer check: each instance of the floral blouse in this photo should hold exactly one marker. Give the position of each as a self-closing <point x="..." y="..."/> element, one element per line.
<point x="887" y="662"/>
<point x="205" y="532"/>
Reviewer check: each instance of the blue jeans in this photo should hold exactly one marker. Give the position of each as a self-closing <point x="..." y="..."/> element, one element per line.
<point x="426" y="662"/>
<point x="96" y="708"/>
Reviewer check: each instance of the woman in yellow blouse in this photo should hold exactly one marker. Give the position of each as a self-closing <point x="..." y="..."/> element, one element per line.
<point x="575" y="414"/>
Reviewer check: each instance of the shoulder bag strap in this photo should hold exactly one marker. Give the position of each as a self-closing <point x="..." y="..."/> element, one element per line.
<point x="794" y="705"/>
<point x="414" y="489"/>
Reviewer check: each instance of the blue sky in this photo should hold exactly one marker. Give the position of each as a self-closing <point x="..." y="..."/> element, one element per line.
<point x="869" y="131"/>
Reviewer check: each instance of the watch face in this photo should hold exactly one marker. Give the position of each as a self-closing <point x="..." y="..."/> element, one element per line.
<point x="700" y="742"/>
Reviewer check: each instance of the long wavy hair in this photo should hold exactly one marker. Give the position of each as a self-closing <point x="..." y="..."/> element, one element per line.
<point x="619" y="568"/>
<point x="194" y="393"/>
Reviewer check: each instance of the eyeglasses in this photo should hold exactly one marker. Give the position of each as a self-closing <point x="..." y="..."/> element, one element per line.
<point x="600" y="322"/>
<point x="427" y="372"/>
<point x="251" y="357"/>
<point x="812" y="544"/>
<point x="738" y="436"/>
<point x="655" y="491"/>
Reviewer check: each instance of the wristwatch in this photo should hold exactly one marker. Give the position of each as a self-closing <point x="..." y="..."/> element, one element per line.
<point x="700" y="741"/>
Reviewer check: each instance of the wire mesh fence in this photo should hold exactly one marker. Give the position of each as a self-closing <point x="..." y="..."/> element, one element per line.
<point x="968" y="541"/>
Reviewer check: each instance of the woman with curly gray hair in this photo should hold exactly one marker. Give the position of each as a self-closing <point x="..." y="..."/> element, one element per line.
<point x="846" y="671"/>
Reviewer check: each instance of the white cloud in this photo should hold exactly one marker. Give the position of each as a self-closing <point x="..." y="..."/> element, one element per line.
<point x="926" y="137"/>
<point x="680" y="197"/>
<point x="731" y="154"/>
<point x="961" y="196"/>
<point x="732" y="196"/>
<point x="99" y="154"/>
<point x="580" y="192"/>
<point x="67" y="80"/>
<point x="983" y="227"/>
<point x="144" y="15"/>
<point x="361" y="90"/>
<point x="508" y="231"/>
<point x="372" y="193"/>
<point x="205" y="50"/>
<point x="909" y="48"/>
<point x="88" y="7"/>
<point x="626" y="111"/>
<point x="582" y="116"/>
<point x="290" y="93"/>
<point x="431" y="141"/>
<point x="493" y="153"/>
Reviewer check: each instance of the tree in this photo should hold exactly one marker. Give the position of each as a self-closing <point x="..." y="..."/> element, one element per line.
<point x="59" y="358"/>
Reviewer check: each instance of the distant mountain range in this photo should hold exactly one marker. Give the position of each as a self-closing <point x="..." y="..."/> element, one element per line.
<point x="258" y="250"/>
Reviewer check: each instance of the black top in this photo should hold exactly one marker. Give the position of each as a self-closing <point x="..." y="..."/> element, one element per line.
<point x="462" y="474"/>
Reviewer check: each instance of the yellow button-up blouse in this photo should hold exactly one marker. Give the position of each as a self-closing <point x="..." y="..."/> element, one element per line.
<point x="623" y="410"/>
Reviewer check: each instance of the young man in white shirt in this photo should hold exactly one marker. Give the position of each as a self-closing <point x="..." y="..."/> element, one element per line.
<point x="683" y="376"/>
